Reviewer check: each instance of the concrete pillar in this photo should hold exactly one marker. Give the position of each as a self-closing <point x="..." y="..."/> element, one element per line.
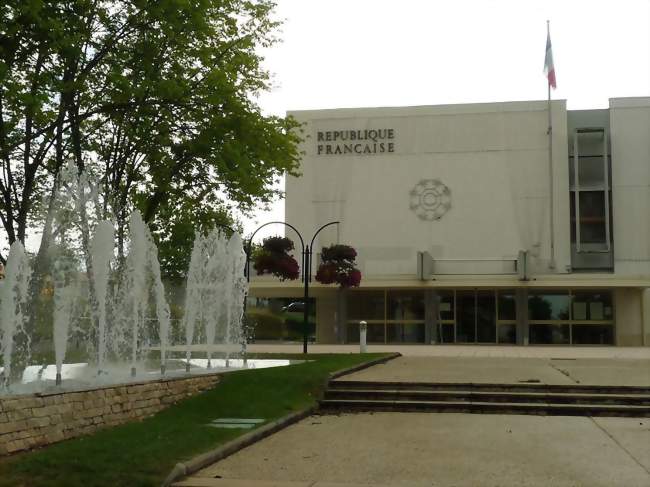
<point x="326" y="310"/>
<point x="342" y="315"/>
<point x="431" y="305"/>
<point x="628" y="317"/>
<point x="645" y="313"/>
<point x="521" y="296"/>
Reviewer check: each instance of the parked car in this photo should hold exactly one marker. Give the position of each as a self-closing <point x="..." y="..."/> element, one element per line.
<point x="295" y="307"/>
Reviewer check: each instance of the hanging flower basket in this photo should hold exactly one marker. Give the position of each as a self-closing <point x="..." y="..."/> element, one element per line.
<point x="338" y="266"/>
<point x="273" y="258"/>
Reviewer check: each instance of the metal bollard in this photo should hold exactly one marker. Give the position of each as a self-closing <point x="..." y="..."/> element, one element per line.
<point x="363" y="328"/>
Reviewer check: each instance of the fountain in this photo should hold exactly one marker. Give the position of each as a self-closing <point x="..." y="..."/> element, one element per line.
<point x="85" y="330"/>
<point x="118" y="308"/>
<point x="13" y="299"/>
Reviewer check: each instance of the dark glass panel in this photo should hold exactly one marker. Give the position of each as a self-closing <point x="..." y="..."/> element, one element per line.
<point x="465" y="317"/>
<point x="507" y="305"/>
<point x="542" y="334"/>
<point x="447" y="333"/>
<point x="375" y="333"/>
<point x="592" y="305"/>
<point x="593" y="334"/>
<point x="353" y="333"/>
<point x="548" y="306"/>
<point x="366" y="305"/>
<point x="507" y="334"/>
<point x="446" y="305"/>
<point x="405" y="332"/>
<point x="405" y="305"/>
<point x="486" y="317"/>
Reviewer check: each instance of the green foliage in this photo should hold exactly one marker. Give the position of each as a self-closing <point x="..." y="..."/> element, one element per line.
<point x="156" y="99"/>
<point x="143" y="453"/>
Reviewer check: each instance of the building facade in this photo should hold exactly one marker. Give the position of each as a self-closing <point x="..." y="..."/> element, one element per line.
<point x="518" y="222"/>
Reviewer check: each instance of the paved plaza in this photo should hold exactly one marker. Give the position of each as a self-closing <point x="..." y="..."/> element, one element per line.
<point x="449" y="449"/>
<point x="420" y="449"/>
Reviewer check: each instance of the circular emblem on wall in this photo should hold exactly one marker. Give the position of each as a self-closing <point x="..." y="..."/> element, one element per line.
<point x="430" y="199"/>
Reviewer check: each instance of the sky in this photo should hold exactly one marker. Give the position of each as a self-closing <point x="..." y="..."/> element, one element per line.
<point x="367" y="53"/>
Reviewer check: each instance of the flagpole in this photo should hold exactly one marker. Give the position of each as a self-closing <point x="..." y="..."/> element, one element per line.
<point x="551" y="264"/>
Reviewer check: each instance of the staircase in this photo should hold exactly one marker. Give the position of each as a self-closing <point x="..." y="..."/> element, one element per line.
<point x="523" y="398"/>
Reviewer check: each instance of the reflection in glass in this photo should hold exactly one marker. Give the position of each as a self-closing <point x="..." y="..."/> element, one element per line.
<point x="352" y="335"/>
<point x="446" y="307"/>
<point x="486" y="317"/>
<point x="405" y="332"/>
<point x="366" y="305"/>
<point x="544" y="334"/>
<point x="279" y="318"/>
<point x="465" y="317"/>
<point x="405" y="305"/>
<point x="548" y="306"/>
<point x="374" y="332"/>
<point x="593" y="334"/>
<point x="507" y="334"/>
<point x="507" y="306"/>
<point x="592" y="305"/>
<point x="447" y="332"/>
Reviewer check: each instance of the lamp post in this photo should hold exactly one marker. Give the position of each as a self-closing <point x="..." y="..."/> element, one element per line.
<point x="306" y="269"/>
<point x="307" y="278"/>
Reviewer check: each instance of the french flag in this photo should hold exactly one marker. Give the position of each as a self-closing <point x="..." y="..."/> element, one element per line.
<point x="549" y="69"/>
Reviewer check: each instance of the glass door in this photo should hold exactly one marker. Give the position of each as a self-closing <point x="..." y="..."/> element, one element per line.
<point x="486" y="329"/>
<point x="476" y="317"/>
<point x="466" y="316"/>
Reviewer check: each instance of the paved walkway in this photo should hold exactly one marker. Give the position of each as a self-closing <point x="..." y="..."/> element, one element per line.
<point x="415" y="449"/>
<point x="499" y="370"/>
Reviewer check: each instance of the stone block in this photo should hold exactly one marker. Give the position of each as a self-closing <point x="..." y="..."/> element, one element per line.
<point x="19" y="414"/>
<point x="38" y="422"/>
<point x="22" y="403"/>
<point x="56" y="419"/>
<point x="15" y="446"/>
<point x="45" y="411"/>
<point x="12" y="426"/>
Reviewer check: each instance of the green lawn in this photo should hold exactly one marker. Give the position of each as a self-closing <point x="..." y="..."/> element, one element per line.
<point x="143" y="453"/>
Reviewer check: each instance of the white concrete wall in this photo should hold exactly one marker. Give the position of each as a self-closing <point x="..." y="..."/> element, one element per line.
<point x="630" y="135"/>
<point x="493" y="158"/>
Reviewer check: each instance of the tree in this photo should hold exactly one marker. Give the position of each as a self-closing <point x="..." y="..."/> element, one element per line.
<point x="155" y="99"/>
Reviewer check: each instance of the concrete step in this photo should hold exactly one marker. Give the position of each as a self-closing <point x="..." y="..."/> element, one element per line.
<point x="487" y="396"/>
<point x="336" y="405"/>
<point x="488" y="387"/>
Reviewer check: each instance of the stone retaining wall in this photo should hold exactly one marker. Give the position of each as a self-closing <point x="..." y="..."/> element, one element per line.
<point x="34" y="420"/>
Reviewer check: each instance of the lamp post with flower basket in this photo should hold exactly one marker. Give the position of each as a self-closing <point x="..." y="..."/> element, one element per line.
<point x="274" y="259"/>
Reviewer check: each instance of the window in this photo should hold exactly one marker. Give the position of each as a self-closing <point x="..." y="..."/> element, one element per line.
<point x="391" y="316"/>
<point x="548" y="306"/>
<point x="581" y="317"/>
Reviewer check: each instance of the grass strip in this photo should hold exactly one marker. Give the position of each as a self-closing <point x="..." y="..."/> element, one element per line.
<point x="142" y="453"/>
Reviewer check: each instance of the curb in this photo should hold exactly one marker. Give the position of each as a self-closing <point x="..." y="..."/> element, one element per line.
<point x="197" y="463"/>
<point x="205" y="459"/>
<point x="365" y="365"/>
